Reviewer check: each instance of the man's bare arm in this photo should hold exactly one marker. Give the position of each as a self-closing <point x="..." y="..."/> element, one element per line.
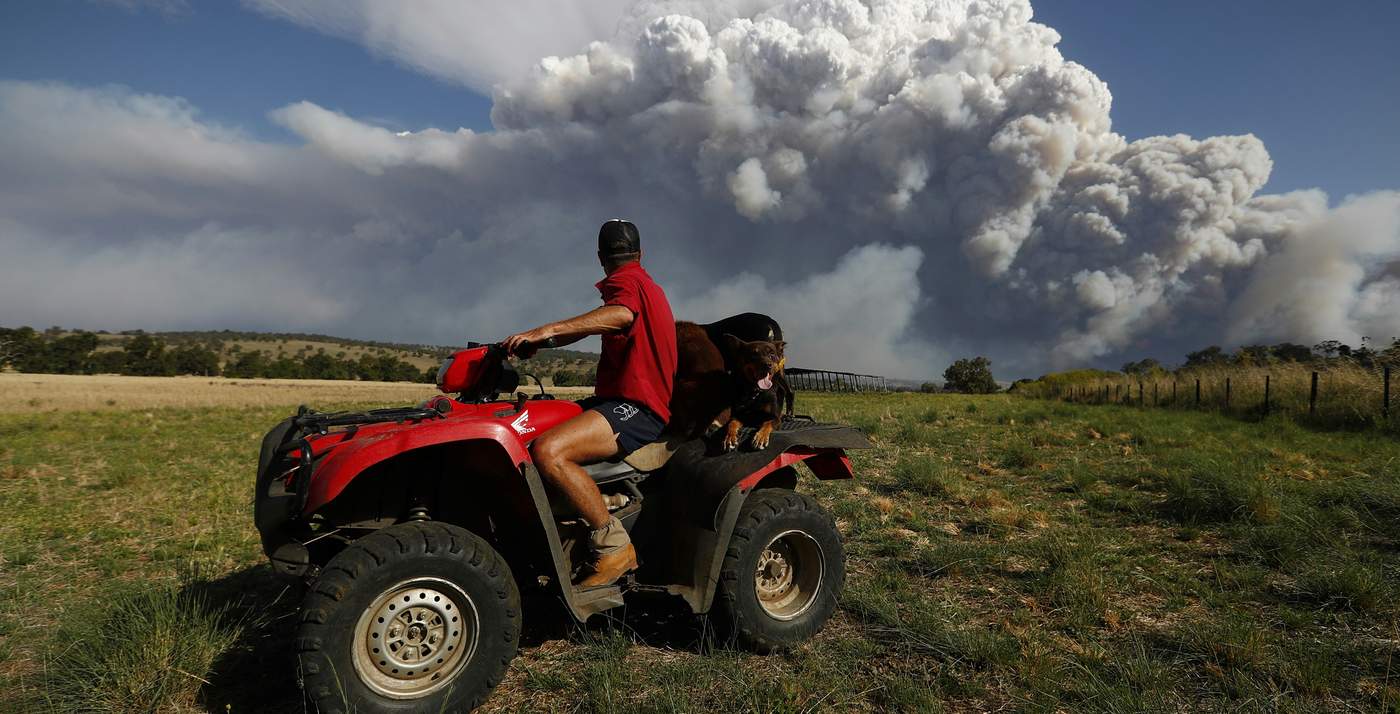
<point x="606" y="320"/>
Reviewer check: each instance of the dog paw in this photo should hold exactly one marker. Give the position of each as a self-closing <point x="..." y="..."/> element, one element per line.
<point x="730" y="443"/>
<point x="759" y="442"/>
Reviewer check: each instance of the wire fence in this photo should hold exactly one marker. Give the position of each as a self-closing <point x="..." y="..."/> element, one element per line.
<point x="821" y="380"/>
<point x="1320" y="394"/>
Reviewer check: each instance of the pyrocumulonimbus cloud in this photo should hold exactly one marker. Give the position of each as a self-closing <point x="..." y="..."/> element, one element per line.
<point x="897" y="181"/>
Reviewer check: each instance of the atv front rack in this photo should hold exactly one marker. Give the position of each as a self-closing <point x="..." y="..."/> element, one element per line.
<point x="308" y="420"/>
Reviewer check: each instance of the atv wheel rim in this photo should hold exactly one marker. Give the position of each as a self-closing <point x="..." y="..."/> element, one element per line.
<point x="788" y="575"/>
<point x="415" y="637"/>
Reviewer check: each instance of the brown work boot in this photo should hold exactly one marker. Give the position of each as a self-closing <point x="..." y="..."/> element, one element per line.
<point x="613" y="555"/>
<point x="609" y="567"/>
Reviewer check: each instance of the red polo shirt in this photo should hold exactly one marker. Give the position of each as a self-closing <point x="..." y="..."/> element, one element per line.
<point x="639" y="363"/>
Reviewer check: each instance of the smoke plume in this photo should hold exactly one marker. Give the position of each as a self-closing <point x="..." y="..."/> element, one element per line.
<point x="898" y="182"/>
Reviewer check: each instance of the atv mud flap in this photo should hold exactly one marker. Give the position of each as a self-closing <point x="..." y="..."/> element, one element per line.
<point x="274" y="509"/>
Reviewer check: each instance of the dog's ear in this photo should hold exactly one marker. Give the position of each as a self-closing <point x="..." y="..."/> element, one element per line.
<point x="733" y="342"/>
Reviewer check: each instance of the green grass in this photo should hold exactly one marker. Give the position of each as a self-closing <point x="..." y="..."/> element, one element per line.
<point x="1003" y="554"/>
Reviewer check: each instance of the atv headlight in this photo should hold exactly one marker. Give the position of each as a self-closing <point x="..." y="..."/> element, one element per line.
<point x="442" y="371"/>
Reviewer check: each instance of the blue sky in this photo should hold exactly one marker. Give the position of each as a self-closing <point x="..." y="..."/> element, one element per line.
<point x="232" y="63"/>
<point x="1318" y="82"/>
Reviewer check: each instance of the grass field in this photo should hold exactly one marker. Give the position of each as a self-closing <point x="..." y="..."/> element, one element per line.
<point x="1004" y="554"/>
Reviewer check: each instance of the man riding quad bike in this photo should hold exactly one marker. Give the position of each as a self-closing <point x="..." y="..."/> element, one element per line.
<point x="417" y="529"/>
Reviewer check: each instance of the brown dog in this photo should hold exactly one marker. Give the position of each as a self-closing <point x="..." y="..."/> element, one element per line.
<point x="703" y="391"/>
<point x="756" y="398"/>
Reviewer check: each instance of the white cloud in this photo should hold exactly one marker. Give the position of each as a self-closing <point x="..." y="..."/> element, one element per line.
<point x="476" y="43"/>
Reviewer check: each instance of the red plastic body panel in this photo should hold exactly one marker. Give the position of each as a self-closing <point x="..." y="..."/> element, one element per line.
<point x="343" y="455"/>
<point x="826" y="464"/>
<point x="465" y="370"/>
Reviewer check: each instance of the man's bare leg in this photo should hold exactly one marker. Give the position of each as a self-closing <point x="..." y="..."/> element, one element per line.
<point x="585" y="439"/>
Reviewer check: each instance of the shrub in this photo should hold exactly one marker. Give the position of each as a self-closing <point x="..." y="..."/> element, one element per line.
<point x="923" y="476"/>
<point x="1349" y="585"/>
<point x="970" y="376"/>
<point x="1209" y="496"/>
<point x="1018" y="455"/>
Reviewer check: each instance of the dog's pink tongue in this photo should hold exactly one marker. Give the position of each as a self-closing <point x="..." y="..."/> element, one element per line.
<point x="766" y="382"/>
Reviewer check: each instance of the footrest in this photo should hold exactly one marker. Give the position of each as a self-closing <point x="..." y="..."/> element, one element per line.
<point x="596" y="600"/>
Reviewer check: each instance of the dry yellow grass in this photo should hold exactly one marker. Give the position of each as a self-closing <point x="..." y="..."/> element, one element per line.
<point x="53" y="392"/>
<point x="1345" y="391"/>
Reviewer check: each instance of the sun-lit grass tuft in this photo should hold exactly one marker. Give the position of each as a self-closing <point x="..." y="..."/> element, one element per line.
<point x="149" y="650"/>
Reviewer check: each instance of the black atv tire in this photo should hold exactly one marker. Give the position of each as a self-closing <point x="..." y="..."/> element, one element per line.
<point x="782" y="572"/>
<point x="441" y="570"/>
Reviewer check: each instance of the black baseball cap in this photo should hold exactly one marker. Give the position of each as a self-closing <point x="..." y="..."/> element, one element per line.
<point x="618" y="237"/>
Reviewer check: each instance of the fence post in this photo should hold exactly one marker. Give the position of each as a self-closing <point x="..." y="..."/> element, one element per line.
<point x="1198" y="392"/>
<point x="1267" y="379"/>
<point x="1140" y="402"/>
<point x="1312" y="396"/>
<point x="1155" y="401"/>
<point x="1385" y="403"/>
<point x="1117" y="393"/>
<point x="1173" y="392"/>
<point x="1227" y="392"/>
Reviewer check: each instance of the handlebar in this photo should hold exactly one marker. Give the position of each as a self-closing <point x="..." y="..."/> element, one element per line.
<point x="527" y="346"/>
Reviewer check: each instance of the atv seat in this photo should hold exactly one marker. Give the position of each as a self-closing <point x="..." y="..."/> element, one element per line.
<point x="638" y="464"/>
<point x="609" y="471"/>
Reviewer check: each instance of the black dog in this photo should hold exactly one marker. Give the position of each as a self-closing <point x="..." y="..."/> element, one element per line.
<point x="752" y="327"/>
<point x="755" y="397"/>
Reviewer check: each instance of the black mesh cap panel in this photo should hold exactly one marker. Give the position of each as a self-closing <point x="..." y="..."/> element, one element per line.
<point x="618" y="237"/>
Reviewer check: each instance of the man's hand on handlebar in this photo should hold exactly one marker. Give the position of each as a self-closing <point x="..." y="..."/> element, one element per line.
<point x="526" y="344"/>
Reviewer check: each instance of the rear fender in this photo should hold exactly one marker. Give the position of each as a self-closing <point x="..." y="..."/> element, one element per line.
<point x="691" y="544"/>
<point x="825" y="464"/>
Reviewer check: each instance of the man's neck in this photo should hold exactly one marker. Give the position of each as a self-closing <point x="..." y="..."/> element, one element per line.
<point x="620" y="266"/>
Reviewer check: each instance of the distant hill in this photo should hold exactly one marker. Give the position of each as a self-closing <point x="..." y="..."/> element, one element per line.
<point x="276" y="354"/>
<point x="419" y="355"/>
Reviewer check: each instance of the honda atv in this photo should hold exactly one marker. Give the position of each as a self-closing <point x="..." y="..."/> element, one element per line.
<point x="417" y="529"/>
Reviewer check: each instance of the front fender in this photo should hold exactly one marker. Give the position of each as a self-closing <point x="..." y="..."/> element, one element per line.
<point x="348" y="454"/>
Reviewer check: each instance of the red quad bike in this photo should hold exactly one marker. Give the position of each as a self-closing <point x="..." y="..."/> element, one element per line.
<point x="418" y="528"/>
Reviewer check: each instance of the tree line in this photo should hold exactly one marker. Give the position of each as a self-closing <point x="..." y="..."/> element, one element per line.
<point x="974" y="375"/>
<point x="1325" y="352"/>
<point x="53" y="352"/>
